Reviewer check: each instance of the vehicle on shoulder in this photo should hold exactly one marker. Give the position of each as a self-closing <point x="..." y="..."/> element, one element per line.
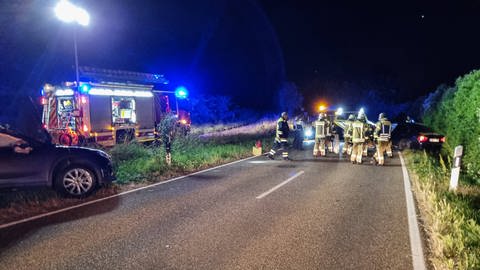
<point x="28" y="158"/>
<point x="417" y="136"/>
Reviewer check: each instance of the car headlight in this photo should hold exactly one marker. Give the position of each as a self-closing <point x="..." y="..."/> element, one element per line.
<point x="308" y="132"/>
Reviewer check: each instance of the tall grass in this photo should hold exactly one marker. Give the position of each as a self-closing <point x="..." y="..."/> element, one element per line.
<point x="452" y="221"/>
<point x="139" y="163"/>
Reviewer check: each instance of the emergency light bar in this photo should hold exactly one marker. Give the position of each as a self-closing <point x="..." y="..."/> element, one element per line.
<point x="119" y="93"/>
<point x="64" y="92"/>
<point x="107" y="92"/>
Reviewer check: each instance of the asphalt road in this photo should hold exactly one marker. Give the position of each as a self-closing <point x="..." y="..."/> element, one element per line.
<point x="330" y="215"/>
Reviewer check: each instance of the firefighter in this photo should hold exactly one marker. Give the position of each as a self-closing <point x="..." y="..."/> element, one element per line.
<point x="299" y="125"/>
<point x="369" y="139"/>
<point x="347" y="146"/>
<point x="322" y="135"/>
<point x="358" y="132"/>
<point x="389" y="149"/>
<point x="383" y="130"/>
<point x="281" y="138"/>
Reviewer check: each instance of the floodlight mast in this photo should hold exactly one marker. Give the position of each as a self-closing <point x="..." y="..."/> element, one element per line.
<point x="68" y="12"/>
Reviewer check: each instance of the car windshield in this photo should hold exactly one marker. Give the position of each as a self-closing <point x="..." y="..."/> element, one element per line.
<point x="422" y="128"/>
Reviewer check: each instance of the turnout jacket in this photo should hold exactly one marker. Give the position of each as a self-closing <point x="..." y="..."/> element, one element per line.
<point x="282" y="129"/>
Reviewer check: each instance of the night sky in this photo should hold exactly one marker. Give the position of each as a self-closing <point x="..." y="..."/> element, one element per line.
<point x="246" y="49"/>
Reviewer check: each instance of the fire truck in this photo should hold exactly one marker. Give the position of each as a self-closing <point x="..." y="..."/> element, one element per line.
<point x="109" y="107"/>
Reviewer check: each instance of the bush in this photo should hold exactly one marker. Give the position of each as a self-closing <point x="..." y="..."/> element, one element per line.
<point x="455" y="112"/>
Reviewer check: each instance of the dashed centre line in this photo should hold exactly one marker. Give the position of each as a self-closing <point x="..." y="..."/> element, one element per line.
<point x="263" y="195"/>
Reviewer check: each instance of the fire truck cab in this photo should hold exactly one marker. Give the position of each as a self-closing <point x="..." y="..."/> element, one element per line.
<point x="108" y="107"/>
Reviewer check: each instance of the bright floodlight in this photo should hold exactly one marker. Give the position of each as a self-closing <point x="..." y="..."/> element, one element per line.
<point x="82" y="17"/>
<point x="68" y="13"/>
<point x="339" y="111"/>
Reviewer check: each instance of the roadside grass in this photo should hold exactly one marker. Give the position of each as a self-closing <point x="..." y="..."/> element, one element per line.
<point x="452" y="220"/>
<point x="135" y="163"/>
<point x="237" y="127"/>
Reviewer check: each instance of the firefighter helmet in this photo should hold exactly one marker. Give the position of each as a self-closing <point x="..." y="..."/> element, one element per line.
<point x="362" y="117"/>
<point x="382" y="116"/>
<point x="284" y="115"/>
<point x="351" y="117"/>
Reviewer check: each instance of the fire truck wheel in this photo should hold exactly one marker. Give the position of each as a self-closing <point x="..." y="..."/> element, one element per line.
<point x="76" y="181"/>
<point x="65" y="139"/>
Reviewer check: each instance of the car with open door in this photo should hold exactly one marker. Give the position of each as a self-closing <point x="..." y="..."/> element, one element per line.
<point x="28" y="158"/>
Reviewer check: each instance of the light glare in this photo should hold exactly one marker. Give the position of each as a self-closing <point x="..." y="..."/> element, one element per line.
<point x="67" y="12"/>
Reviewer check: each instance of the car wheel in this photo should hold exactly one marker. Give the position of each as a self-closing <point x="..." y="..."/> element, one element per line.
<point x="76" y="181"/>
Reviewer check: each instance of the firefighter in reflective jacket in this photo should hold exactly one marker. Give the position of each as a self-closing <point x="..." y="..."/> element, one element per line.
<point x="299" y="124"/>
<point x="358" y="132"/>
<point x="281" y="138"/>
<point x="383" y="130"/>
<point x="347" y="146"/>
<point x="322" y="136"/>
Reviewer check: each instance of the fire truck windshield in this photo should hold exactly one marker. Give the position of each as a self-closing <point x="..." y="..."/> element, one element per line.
<point x="123" y="110"/>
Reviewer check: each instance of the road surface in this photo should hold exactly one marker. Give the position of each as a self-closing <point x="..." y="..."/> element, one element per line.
<point x="308" y="213"/>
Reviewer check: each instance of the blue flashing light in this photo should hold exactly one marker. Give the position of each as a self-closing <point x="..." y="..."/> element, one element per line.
<point x="181" y="92"/>
<point x="85" y="88"/>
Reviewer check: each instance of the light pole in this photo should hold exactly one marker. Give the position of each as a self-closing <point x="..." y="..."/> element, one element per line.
<point x="68" y="12"/>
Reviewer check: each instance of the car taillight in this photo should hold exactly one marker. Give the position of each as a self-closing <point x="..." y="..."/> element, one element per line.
<point x="422" y="138"/>
<point x="443" y="139"/>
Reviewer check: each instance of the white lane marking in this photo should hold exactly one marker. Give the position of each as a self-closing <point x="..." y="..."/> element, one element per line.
<point x="2" y="226"/>
<point x="418" y="259"/>
<point x="264" y="161"/>
<point x="280" y="185"/>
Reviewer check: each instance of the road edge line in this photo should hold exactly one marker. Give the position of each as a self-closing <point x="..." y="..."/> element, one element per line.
<point x="266" y="193"/>
<point x="418" y="259"/>
<point x="13" y="223"/>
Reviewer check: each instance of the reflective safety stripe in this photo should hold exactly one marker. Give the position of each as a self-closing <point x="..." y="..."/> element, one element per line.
<point x="285" y="154"/>
<point x="283" y="140"/>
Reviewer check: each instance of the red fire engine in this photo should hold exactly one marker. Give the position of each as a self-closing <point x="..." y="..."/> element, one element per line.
<point x="109" y="107"/>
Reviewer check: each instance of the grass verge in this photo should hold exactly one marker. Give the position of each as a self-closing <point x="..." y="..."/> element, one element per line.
<point x="451" y="220"/>
<point x="135" y="163"/>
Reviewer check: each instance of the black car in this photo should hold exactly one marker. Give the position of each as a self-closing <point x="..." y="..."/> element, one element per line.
<point x="72" y="171"/>
<point x="416" y="136"/>
<point x="28" y="158"/>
